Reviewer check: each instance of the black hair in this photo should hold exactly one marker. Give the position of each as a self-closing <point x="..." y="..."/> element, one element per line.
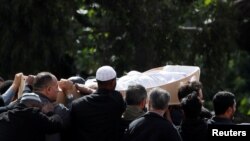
<point x="222" y="101"/>
<point x="188" y="88"/>
<point x="191" y="105"/>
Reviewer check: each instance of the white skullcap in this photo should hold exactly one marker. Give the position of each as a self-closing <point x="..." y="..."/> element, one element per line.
<point x="30" y="96"/>
<point x="105" y="73"/>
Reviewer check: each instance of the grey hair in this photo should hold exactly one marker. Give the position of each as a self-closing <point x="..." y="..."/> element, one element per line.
<point x="42" y="80"/>
<point x="159" y="98"/>
<point x="135" y="94"/>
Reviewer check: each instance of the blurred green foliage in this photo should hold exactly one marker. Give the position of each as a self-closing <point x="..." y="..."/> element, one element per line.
<point x="36" y="35"/>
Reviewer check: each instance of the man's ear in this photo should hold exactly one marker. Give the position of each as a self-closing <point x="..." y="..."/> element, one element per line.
<point x="114" y="83"/>
<point x="48" y="89"/>
<point x="149" y="105"/>
<point x="143" y="103"/>
<point x="229" y="111"/>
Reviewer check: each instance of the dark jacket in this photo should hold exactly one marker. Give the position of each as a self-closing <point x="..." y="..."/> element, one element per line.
<point x="1" y="101"/>
<point x="96" y="117"/>
<point x="205" y="113"/>
<point x="193" y="130"/>
<point x="220" y="121"/>
<point x="177" y="114"/>
<point x="131" y="113"/>
<point x="5" y="108"/>
<point x="59" y="109"/>
<point x="27" y="124"/>
<point x="151" y="127"/>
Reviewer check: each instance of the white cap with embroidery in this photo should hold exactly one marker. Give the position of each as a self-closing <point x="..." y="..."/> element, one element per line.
<point x="105" y="73"/>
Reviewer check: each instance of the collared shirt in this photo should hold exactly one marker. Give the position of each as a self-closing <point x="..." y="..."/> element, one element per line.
<point x="132" y="112"/>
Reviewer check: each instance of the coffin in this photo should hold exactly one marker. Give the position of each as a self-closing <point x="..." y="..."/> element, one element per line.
<point x="168" y="77"/>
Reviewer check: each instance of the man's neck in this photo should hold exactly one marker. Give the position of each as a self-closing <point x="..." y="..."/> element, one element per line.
<point x="159" y="112"/>
<point x="223" y="116"/>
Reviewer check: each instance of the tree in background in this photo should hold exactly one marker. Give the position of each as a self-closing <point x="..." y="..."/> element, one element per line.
<point x="142" y="34"/>
<point x="76" y="37"/>
<point x="36" y="35"/>
<point x="239" y="78"/>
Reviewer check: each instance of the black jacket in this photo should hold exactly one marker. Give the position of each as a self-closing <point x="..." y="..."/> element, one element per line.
<point x="151" y="127"/>
<point x="27" y="124"/>
<point x="220" y="121"/>
<point x="1" y="101"/>
<point x="193" y="129"/>
<point x="96" y="117"/>
<point x="177" y="114"/>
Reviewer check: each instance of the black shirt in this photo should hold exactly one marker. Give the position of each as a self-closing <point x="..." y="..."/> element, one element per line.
<point x="151" y="127"/>
<point x="96" y="117"/>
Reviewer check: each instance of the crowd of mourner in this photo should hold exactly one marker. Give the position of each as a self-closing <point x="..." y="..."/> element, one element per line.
<point x="49" y="109"/>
